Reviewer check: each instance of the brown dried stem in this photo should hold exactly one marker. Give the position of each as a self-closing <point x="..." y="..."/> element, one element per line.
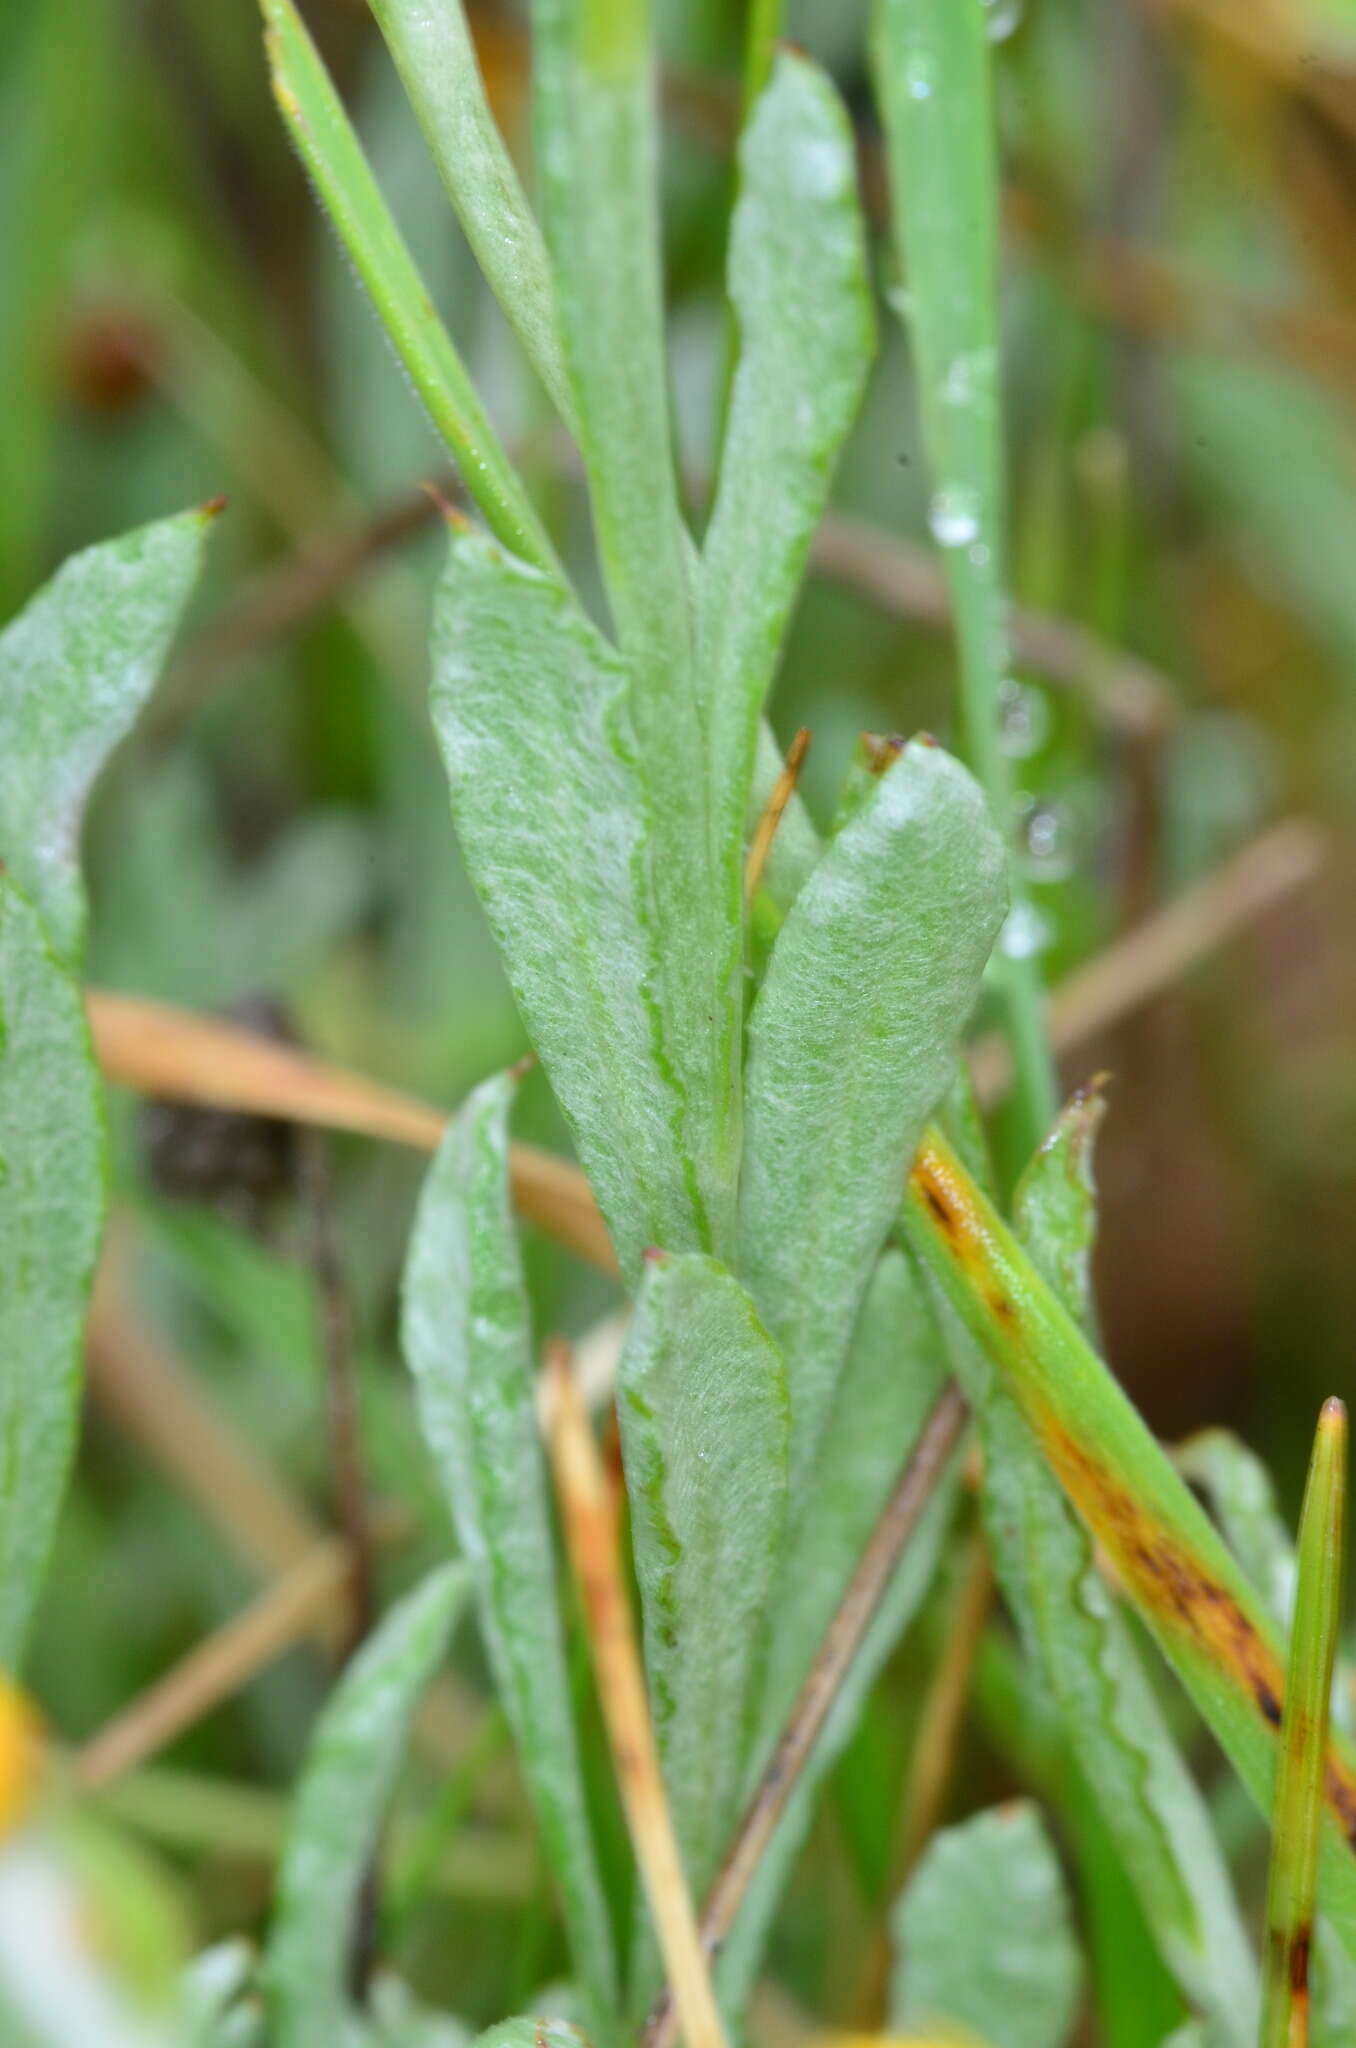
<point x="773" y="810"/>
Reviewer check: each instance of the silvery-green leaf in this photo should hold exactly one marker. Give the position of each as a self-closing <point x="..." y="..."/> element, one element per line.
<point x="741" y="1956"/>
<point x="852" y="1041"/>
<point x="894" y="1372"/>
<point x="212" y="1986"/>
<point x="595" y="134"/>
<point x="1110" y="1716"/>
<point x="983" y="1940"/>
<point x="468" y="1342"/>
<point x="398" y="2020"/>
<point x="799" y="286"/>
<point x="76" y="666"/>
<point x="52" y="1173"/>
<point x="531" y="709"/>
<point x="336" y="1810"/>
<point x="705" y="1428"/>
<point x="433" y="50"/>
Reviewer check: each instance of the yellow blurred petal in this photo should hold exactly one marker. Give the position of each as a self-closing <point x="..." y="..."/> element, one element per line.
<point x="20" y="1753"/>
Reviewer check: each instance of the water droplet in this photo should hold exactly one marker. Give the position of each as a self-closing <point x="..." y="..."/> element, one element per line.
<point x="979" y="554"/>
<point x="918" y="78"/>
<point x="1048" y="841"/>
<point x="1025" y="932"/>
<point x="1023" y="719"/>
<point x="1001" y="18"/>
<point x="953" y="517"/>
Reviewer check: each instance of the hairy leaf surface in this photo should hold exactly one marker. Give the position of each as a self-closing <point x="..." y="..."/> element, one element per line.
<point x="468" y="1342"/>
<point x="705" y="1427"/>
<point x="983" y="1938"/>
<point x="800" y="289"/>
<point x="852" y="1041"/>
<point x="336" y="1810"/>
<point x="531" y="708"/>
<point x="52" y="1175"/>
<point x="76" y="666"/>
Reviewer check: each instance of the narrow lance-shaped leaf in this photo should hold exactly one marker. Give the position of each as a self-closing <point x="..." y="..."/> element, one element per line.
<point x="593" y="79"/>
<point x="52" y="1171"/>
<point x="799" y="284"/>
<point x="1208" y="1621"/>
<point x="1128" y="1761"/>
<point x="468" y="1341"/>
<point x="852" y="1041"/>
<point x="934" y="84"/>
<point x="894" y="1373"/>
<point x="76" y="666"/>
<point x="984" y="1944"/>
<point x="531" y="709"/>
<point x="705" y="1427"/>
<point x="335" y="1813"/>
<point x="1296" y="1819"/>
<point x="436" y="57"/>
<point x="332" y="154"/>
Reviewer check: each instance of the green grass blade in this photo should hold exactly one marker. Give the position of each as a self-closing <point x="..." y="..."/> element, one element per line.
<point x="1209" y="1622"/>
<point x="332" y="154"/>
<point x="431" y="44"/>
<point x="983" y="1936"/>
<point x="933" y="80"/>
<point x="596" y="152"/>
<point x="799" y="285"/>
<point x="76" y="666"/>
<point x="844" y="1067"/>
<point x="336" y="1811"/>
<point x="1116" y="1731"/>
<point x="468" y="1342"/>
<point x="531" y="709"/>
<point x="1293" y="1881"/>
<point x="52" y="1176"/>
<point x="705" y="1429"/>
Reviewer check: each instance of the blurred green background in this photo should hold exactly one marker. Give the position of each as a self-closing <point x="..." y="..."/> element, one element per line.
<point x="176" y="321"/>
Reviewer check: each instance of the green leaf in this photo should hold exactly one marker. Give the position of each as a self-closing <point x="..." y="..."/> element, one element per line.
<point x="894" y="1372"/>
<point x="798" y="281"/>
<point x="1208" y="1621"/>
<point x="436" y="57"/>
<point x="52" y="1178"/>
<point x="332" y="154"/>
<point x="705" y="1428"/>
<point x="1243" y="1500"/>
<point x="531" y="709"/>
<point x="336" y="1810"/>
<point x="596" y="151"/>
<point x="934" y="82"/>
<point x="1111" y="1719"/>
<point x="852" y="1041"/>
<point x="892" y="1377"/>
<point x="532" y="2033"/>
<point x="983" y="1936"/>
<point x="76" y="666"/>
<point x="1292" y="1883"/>
<point x="468" y="1341"/>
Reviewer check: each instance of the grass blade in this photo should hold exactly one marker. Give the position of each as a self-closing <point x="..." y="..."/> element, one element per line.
<point x="531" y="708"/>
<point x="1116" y="1731"/>
<point x="935" y="90"/>
<point x="843" y="1068"/>
<point x="52" y="1147"/>
<point x="1293" y="1881"/>
<point x="468" y="1342"/>
<point x="332" y="154"/>
<point x="705" y="1427"/>
<point x="1208" y="1621"/>
<point x="76" y="666"/>
<point x="431" y="44"/>
<point x="799" y="285"/>
<point x="336" y="1810"/>
<point x="984" y="1942"/>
